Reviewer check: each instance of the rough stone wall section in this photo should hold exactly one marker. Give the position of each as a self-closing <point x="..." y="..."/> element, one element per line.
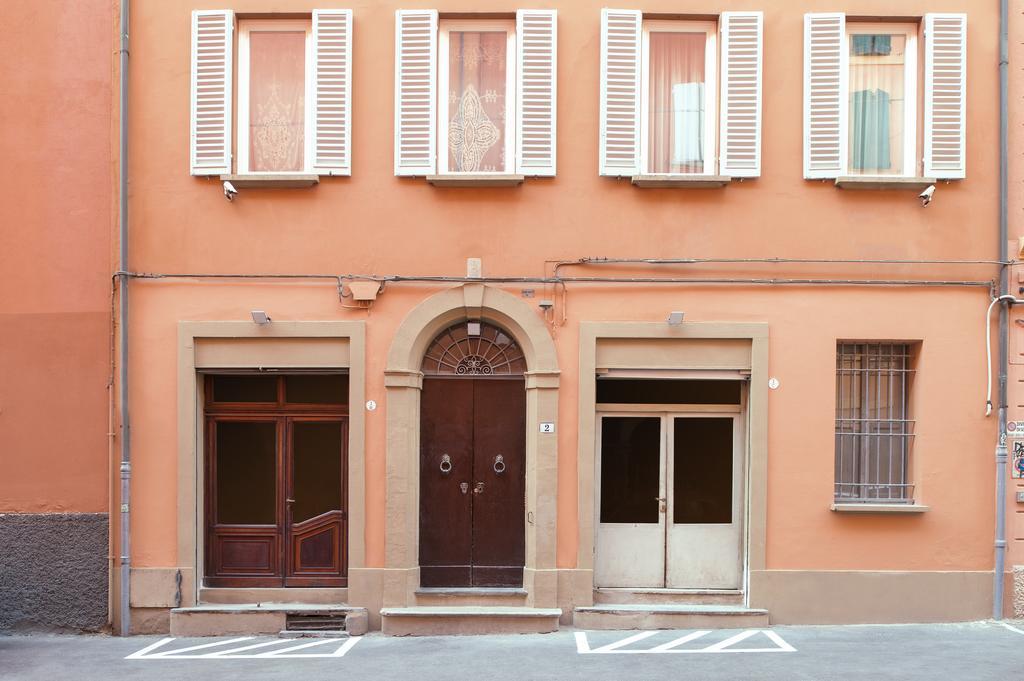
<point x="1018" y="591"/>
<point x="53" y="571"/>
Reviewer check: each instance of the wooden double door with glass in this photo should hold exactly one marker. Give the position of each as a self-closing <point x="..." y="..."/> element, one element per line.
<point x="472" y="482"/>
<point x="276" y="481"/>
<point x="670" y="493"/>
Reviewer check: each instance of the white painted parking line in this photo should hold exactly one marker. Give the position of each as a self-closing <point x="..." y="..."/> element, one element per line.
<point x="728" y="645"/>
<point x="1012" y="628"/>
<point x="227" y="650"/>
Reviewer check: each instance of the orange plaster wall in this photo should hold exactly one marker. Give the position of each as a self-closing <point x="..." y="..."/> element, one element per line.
<point x="56" y="185"/>
<point x="376" y="223"/>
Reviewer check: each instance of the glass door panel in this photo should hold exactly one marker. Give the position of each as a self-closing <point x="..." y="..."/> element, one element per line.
<point x="704" y="537"/>
<point x="316" y="529"/>
<point x="631" y="529"/>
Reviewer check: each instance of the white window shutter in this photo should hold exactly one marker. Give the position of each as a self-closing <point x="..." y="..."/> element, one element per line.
<point x="742" y="50"/>
<point x="332" y="91"/>
<point x="620" y="92"/>
<point x="415" y="92"/>
<point x="825" y="95"/>
<point x="210" y="108"/>
<point x="945" y="95"/>
<point x="537" y="69"/>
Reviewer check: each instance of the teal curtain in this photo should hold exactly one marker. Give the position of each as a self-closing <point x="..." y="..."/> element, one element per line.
<point x="870" y="113"/>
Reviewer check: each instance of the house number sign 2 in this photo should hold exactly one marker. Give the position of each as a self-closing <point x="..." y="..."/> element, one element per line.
<point x="547" y="427"/>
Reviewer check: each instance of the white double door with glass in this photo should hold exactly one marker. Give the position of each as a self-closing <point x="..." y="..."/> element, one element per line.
<point x="670" y="500"/>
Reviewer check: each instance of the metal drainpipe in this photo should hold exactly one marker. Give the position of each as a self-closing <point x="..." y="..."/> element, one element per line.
<point x="126" y="467"/>
<point x="1000" y="543"/>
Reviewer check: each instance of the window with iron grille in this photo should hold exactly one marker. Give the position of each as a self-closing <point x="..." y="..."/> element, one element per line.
<point x="873" y="425"/>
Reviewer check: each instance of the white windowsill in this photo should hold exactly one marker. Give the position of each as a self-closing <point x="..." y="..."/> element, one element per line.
<point x="879" y="508"/>
<point x="877" y="182"/>
<point x="476" y="180"/>
<point x="681" y="181"/>
<point x="268" y="181"/>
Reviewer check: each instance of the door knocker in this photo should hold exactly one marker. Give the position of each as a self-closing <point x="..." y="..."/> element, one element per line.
<point x="499" y="464"/>
<point x="446" y="464"/>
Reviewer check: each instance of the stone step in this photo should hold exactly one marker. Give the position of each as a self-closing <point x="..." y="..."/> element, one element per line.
<point x="219" y="619"/>
<point x="236" y="596"/>
<point x="468" y="619"/>
<point x="473" y="596"/>
<point x="607" y="595"/>
<point x="661" y="616"/>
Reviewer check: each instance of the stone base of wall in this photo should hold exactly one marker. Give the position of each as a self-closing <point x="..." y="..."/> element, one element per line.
<point x="53" y="571"/>
<point x="866" y="597"/>
<point x="1018" y="591"/>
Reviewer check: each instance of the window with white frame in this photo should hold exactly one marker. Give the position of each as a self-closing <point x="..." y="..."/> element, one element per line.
<point x="293" y="94"/>
<point x="874" y="429"/>
<point x="475" y="96"/>
<point x="476" y="102"/>
<point x="861" y="97"/>
<point x="274" y="86"/>
<point x="680" y="62"/>
<point x="882" y="106"/>
<point x="680" y="97"/>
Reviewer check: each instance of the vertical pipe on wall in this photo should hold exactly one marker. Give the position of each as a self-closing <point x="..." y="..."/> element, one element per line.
<point x="125" y="468"/>
<point x="1000" y="541"/>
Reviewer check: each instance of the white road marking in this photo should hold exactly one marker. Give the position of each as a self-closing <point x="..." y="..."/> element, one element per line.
<point x="158" y="650"/>
<point x="726" y="646"/>
<point x="680" y="641"/>
<point x="204" y="645"/>
<point x="151" y="646"/>
<point x="1012" y="628"/>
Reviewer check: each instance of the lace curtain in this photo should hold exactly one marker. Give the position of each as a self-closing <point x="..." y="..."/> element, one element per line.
<point x="477" y="101"/>
<point x="277" y="72"/>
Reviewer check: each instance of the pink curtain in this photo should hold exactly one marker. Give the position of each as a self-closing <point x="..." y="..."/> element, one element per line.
<point x="277" y="72"/>
<point x="676" y="104"/>
<point x="476" y="101"/>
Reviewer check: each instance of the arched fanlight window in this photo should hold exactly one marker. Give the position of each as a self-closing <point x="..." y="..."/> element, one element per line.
<point x="474" y="348"/>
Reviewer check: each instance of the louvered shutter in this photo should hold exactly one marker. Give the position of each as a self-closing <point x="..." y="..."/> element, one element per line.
<point x="332" y="91"/>
<point x="620" y="92"/>
<point x="742" y="40"/>
<point x="945" y="95"/>
<point x="825" y="95"/>
<point x="210" y="124"/>
<point x="536" y="35"/>
<point x="415" y="92"/>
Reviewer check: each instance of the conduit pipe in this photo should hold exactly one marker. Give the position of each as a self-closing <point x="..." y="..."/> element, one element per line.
<point x="124" y="622"/>
<point x="697" y="281"/>
<point x="1000" y="540"/>
<point x="988" y="345"/>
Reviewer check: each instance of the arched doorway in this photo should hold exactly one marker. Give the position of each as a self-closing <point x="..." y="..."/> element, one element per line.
<point x="472" y="459"/>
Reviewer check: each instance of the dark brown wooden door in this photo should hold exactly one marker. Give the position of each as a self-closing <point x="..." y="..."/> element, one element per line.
<point x="472" y="482"/>
<point x="276" y="490"/>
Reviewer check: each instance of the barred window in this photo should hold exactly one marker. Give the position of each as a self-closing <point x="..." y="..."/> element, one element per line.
<point x="873" y="425"/>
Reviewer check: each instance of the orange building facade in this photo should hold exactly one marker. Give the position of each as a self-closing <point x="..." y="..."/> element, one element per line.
<point x="450" y="318"/>
<point x="59" y="182"/>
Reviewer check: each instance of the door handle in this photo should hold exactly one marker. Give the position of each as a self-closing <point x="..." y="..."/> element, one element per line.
<point x="499" y="464"/>
<point x="661" y="504"/>
<point x="446" y="464"/>
<point x="464" y="486"/>
<point x="290" y="501"/>
<point x="479" y="488"/>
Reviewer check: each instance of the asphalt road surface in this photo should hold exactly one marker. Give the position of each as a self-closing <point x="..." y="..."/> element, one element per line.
<point x="945" y="652"/>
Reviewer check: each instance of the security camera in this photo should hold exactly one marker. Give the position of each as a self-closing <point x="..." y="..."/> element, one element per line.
<point x="926" y="195"/>
<point x="229" y="191"/>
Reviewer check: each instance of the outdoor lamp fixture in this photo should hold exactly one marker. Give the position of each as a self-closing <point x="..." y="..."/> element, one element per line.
<point x="675" y="318"/>
<point x="260" y="317"/>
